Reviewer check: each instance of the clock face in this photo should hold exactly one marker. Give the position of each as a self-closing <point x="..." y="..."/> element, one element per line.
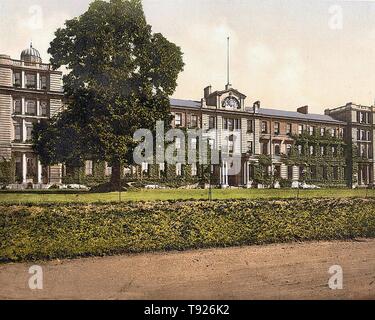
<point x="231" y="102"/>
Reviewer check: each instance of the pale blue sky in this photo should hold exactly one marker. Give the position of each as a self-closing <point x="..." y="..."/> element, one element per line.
<point x="283" y="52"/>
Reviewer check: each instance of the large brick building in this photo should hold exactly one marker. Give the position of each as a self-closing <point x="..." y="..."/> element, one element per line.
<point x="275" y="146"/>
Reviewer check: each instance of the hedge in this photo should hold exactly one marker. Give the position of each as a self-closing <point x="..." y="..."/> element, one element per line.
<point x="48" y="231"/>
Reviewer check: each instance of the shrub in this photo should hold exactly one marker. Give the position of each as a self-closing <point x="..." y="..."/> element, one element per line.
<point x="73" y="230"/>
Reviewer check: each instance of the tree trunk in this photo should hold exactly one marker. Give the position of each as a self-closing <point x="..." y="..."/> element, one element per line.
<point x="116" y="175"/>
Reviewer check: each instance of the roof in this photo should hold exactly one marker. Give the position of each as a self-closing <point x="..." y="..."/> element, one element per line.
<point x="30" y="52"/>
<point x="297" y="115"/>
<point x="185" y="103"/>
<point x="264" y="112"/>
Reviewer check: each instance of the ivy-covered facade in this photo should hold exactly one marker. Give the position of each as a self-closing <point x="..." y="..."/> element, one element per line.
<point x="277" y="148"/>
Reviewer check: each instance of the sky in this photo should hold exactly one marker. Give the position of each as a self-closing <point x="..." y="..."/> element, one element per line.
<point x="285" y="53"/>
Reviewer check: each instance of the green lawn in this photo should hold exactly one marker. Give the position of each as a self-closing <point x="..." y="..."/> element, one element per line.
<point x="180" y="194"/>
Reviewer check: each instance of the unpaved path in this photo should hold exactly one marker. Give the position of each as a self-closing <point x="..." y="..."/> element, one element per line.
<point x="282" y="271"/>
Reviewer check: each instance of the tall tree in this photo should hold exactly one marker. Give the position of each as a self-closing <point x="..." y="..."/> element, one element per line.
<point x="120" y="78"/>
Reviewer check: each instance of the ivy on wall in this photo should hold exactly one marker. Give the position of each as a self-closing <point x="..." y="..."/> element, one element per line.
<point x="78" y="175"/>
<point x="322" y="160"/>
<point x="7" y="171"/>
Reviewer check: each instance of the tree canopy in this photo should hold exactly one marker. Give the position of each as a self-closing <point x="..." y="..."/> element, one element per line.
<point x="120" y="76"/>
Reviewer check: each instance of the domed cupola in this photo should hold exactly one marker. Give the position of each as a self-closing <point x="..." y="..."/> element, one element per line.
<point x="31" y="55"/>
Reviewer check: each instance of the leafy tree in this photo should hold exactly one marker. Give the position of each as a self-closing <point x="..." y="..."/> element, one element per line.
<point x="120" y="78"/>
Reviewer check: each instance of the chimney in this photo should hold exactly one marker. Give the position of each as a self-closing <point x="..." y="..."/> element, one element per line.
<point x="327" y="112"/>
<point x="207" y="91"/>
<point x="256" y="106"/>
<point x="304" y="110"/>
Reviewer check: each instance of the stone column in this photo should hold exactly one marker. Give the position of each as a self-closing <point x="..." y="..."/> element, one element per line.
<point x="37" y="81"/>
<point x="24" y="168"/>
<point x="23" y="106"/>
<point x="39" y="171"/>
<point x="24" y="133"/>
<point x="23" y="80"/>
<point x="37" y="107"/>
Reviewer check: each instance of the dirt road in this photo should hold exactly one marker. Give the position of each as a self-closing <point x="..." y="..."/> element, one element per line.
<point x="282" y="271"/>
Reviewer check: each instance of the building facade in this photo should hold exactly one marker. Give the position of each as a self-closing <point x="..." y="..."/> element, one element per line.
<point x="275" y="147"/>
<point x="30" y="90"/>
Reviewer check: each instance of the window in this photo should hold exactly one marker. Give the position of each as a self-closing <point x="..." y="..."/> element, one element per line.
<point x="250" y="128"/>
<point x="161" y="166"/>
<point x="363" y="117"/>
<point x="237" y="124"/>
<point x="88" y="167"/>
<point x="276" y="127"/>
<point x="368" y="136"/>
<point x="194" y="169"/>
<point x="43" y="108"/>
<point x="333" y="132"/>
<point x="193" y="121"/>
<point x="277" y="149"/>
<point x="290" y="172"/>
<point x="300" y="150"/>
<point x="264" y="127"/>
<point x="363" y="135"/>
<point x="311" y="130"/>
<point x="302" y="172"/>
<point x="178" y="119"/>
<point x="193" y="143"/>
<point x="265" y="148"/>
<point x="211" y="122"/>
<point x="300" y="129"/>
<point x="231" y="144"/>
<point x="277" y="171"/>
<point x="17" y="79"/>
<point x="108" y="170"/>
<point x="31" y="81"/>
<point x="43" y="82"/>
<point x="178" y="143"/>
<point x="178" y="169"/>
<point x="31" y="107"/>
<point x="17" y="109"/>
<point x="313" y="172"/>
<point x="322" y="131"/>
<point x="29" y="130"/>
<point x="363" y="151"/>
<point x="250" y="147"/>
<point x="334" y="151"/>
<point x="17" y="132"/>
<point x="144" y="167"/>
<point x="230" y="124"/>
<point x="341" y="132"/>
<point x="335" y="173"/>
<point x="322" y="150"/>
<point x="288" y="128"/>
<point x="288" y="149"/>
<point x="311" y="150"/>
